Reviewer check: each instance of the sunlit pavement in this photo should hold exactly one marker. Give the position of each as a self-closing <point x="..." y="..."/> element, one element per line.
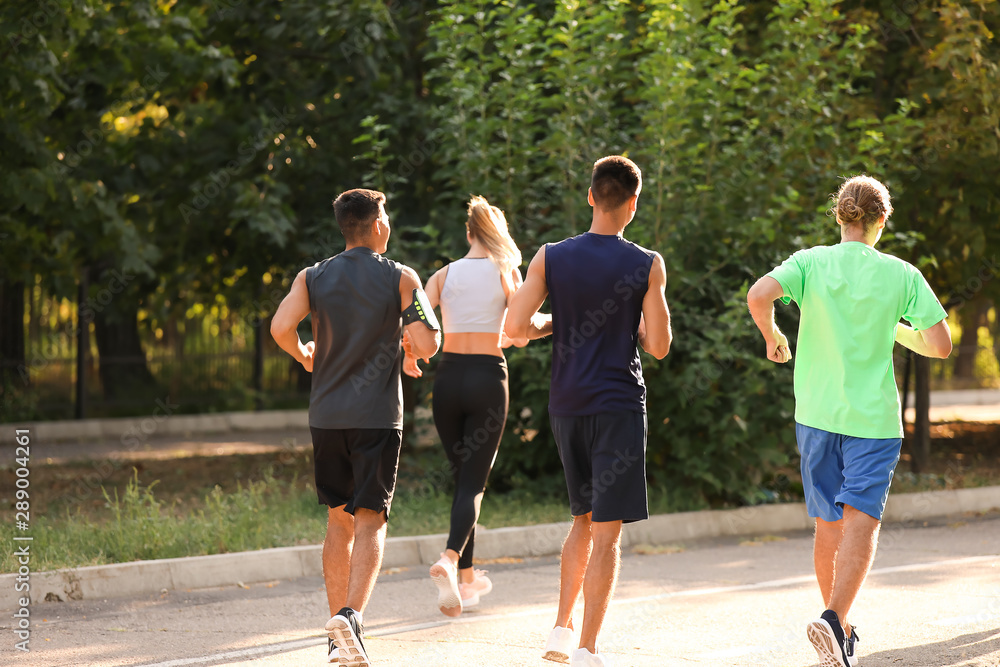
<point x="933" y="600"/>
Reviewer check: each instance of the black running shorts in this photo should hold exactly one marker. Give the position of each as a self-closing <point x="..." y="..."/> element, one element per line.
<point x="356" y="467"/>
<point x="604" y="458"/>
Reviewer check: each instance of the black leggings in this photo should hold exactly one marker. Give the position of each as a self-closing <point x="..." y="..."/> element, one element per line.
<point x="470" y="410"/>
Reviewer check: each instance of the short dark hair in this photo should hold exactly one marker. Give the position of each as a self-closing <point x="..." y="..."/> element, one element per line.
<point x="615" y="180"/>
<point x="355" y="211"/>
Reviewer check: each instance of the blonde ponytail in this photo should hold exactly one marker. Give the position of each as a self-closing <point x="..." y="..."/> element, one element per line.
<point x="488" y="225"/>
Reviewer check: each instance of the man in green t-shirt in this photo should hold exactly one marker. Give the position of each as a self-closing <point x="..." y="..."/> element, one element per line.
<point x="847" y="413"/>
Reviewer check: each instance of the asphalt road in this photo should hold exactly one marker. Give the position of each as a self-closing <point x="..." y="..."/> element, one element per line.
<point x="933" y="600"/>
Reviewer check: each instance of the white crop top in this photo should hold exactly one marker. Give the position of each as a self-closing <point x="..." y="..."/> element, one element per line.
<point x="472" y="298"/>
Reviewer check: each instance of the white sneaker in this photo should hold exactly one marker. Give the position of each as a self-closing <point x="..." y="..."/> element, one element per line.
<point x="345" y="630"/>
<point x="444" y="574"/>
<point x="332" y="652"/>
<point x="584" y="658"/>
<point x="560" y="644"/>
<point x="481" y="585"/>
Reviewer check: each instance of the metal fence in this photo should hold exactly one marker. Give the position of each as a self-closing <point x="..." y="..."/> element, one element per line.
<point x="211" y="360"/>
<point x="193" y="382"/>
<point x="205" y="362"/>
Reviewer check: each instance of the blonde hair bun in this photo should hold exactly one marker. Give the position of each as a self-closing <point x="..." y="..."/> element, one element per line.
<point x="861" y="200"/>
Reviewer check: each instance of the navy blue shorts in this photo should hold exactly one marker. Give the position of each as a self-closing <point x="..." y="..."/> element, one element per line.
<point x="604" y="457"/>
<point x="840" y="470"/>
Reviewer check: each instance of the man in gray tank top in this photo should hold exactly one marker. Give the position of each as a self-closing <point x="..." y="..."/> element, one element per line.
<point x="359" y="301"/>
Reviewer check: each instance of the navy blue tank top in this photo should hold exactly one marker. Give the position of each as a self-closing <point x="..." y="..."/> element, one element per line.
<point x="596" y="286"/>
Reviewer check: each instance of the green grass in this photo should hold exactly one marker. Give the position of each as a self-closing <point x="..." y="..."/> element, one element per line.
<point x="268" y="512"/>
<point x="138" y="526"/>
<point x="261" y="514"/>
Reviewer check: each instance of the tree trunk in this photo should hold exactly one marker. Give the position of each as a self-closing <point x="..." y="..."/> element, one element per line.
<point x="123" y="369"/>
<point x="970" y="317"/>
<point x="82" y="346"/>
<point x="13" y="371"/>
<point x="258" y="363"/>
<point x="920" y="448"/>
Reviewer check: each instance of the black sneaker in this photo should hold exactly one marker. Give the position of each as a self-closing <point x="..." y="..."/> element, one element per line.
<point x="345" y="630"/>
<point x="851" y="647"/>
<point x="827" y="637"/>
<point x="332" y="652"/>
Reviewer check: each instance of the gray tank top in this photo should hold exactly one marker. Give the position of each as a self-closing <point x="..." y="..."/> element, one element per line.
<point x="356" y="323"/>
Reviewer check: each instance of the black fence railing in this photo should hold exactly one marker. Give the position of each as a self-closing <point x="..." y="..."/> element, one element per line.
<point x="194" y="383"/>
<point x="226" y="380"/>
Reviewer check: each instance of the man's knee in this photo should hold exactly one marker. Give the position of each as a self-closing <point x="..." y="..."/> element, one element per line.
<point x="339" y="524"/>
<point x="852" y="514"/>
<point x="606" y="533"/>
<point x="336" y="516"/>
<point x="369" y="518"/>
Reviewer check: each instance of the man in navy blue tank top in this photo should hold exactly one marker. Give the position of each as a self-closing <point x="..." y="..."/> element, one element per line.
<point x="607" y="297"/>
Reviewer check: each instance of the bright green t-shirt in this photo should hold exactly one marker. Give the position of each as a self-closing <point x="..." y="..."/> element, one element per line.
<point x="851" y="297"/>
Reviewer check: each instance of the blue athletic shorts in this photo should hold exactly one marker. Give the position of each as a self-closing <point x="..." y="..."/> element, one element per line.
<point x="840" y="470"/>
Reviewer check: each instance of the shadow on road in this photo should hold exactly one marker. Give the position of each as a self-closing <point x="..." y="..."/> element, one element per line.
<point x="959" y="651"/>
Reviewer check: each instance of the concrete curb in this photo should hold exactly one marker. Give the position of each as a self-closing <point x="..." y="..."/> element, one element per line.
<point x="150" y="577"/>
<point x="161" y="422"/>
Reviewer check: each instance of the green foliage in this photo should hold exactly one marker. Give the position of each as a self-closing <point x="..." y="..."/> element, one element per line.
<point x="199" y="148"/>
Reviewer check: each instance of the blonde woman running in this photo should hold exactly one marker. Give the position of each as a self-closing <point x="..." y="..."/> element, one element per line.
<point x="470" y="386"/>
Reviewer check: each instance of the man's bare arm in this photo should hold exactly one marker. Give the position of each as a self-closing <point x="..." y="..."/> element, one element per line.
<point x="423" y="341"/>
<point x="760" y="300"/>
<point x="655" y="335"/>
<point x="934" y="342"/>
<point x="284" y="325"/>
<point x="523" y="318"/>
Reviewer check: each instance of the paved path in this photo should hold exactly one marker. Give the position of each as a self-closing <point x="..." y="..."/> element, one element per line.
<point x="933" y="600"/>
<point x="973" y="405"/>
<point x="981" y="405"/>
<point x="166" y="447"/>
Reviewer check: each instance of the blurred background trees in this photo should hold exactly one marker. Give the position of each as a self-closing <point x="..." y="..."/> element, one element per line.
<point x="170" y="166"/>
